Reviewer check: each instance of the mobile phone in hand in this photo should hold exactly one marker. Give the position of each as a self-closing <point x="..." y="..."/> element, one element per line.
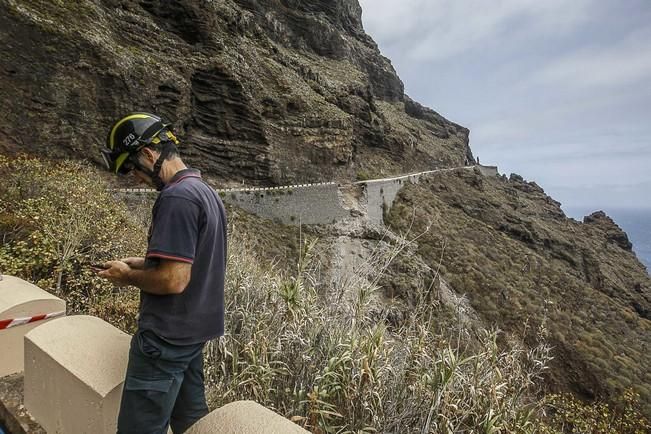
<point x="97" y="266"/>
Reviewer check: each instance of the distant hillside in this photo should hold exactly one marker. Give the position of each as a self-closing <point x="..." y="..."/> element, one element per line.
<point x="522" y="263"/>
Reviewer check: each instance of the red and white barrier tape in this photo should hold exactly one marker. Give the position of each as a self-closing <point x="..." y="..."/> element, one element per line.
<point x="7" y="323"/>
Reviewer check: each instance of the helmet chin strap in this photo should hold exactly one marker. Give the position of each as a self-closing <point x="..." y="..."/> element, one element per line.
<point x="168" y="147"/>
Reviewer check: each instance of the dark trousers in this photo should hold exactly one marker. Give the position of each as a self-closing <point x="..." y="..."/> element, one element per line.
<point x="164" y="386"/>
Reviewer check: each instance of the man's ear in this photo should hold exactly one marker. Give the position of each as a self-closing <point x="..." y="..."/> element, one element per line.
<point x="150" y="155"/>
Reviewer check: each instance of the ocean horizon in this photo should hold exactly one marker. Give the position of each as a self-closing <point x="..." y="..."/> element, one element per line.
<point x="635" y="222"/>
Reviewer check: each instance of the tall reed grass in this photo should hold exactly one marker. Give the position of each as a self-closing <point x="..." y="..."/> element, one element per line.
<point x="328" y="361"/>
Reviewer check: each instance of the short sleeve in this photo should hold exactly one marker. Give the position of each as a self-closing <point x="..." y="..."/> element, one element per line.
<point x="174" y="230"/>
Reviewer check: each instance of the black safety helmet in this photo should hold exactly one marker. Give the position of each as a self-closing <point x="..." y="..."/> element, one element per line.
<point x="129" y="135"/>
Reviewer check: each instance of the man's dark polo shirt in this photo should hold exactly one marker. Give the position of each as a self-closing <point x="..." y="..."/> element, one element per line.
<point x="188" y="225"/>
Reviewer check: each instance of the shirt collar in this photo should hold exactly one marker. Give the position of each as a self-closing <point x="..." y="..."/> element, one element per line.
<point x="184" y="173"/>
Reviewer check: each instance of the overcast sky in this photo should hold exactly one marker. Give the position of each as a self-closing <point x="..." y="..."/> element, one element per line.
<point x="557" y="91"/>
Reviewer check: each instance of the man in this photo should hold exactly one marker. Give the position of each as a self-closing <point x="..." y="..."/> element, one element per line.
<point x="181" y="280"/>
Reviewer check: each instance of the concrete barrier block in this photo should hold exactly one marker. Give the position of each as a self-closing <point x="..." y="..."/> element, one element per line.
<point x="21" y="300"/>
<point x="244" y="417"/>
<point x="74" y="370"/>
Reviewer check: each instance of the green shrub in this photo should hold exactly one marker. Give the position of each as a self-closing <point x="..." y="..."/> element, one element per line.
<point x="363" y="175"/>
<point x="56" y="218"/>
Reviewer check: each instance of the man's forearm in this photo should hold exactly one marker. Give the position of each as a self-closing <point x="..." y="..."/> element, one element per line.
<point x="167" y="277"/>
<point x="151" y="281"/>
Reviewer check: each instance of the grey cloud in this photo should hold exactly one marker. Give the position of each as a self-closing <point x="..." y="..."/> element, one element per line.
<point x="622" y="63"/>
<point x="438" y="29"/>
<point x="556" y="91"/>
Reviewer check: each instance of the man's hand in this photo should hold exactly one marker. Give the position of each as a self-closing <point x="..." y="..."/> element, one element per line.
<point x="135" y="263"/>
<point x="117" y="272"/>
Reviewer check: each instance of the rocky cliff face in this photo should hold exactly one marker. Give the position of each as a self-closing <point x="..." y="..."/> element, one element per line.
<point x="267" y="91"/>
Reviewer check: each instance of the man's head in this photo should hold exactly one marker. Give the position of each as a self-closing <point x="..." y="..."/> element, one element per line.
<point x="140" y="141"/>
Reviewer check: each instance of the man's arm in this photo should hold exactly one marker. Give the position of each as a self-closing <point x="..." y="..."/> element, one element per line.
<point x="168" y="277"/>
<point x="172" y="241"/>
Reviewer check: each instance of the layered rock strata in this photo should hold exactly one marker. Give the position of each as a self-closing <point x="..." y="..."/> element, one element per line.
<point x="267" y="92"/>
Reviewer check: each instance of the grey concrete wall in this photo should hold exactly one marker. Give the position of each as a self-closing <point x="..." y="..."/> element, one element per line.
<point x="307" y="204"/>
<point x="381" y="193"/>
<point x="488" y="170"/>
<point x="322" y="203"/>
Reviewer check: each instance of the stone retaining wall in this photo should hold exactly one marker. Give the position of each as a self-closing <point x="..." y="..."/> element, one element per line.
<point x="306" y="204"/>
<point x="488" y="170"/>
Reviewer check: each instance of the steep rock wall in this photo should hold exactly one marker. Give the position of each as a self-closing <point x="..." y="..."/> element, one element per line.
<point x="271" y="91"/>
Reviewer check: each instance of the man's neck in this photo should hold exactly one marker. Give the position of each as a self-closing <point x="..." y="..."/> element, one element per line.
<point x="170" y="168"/>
